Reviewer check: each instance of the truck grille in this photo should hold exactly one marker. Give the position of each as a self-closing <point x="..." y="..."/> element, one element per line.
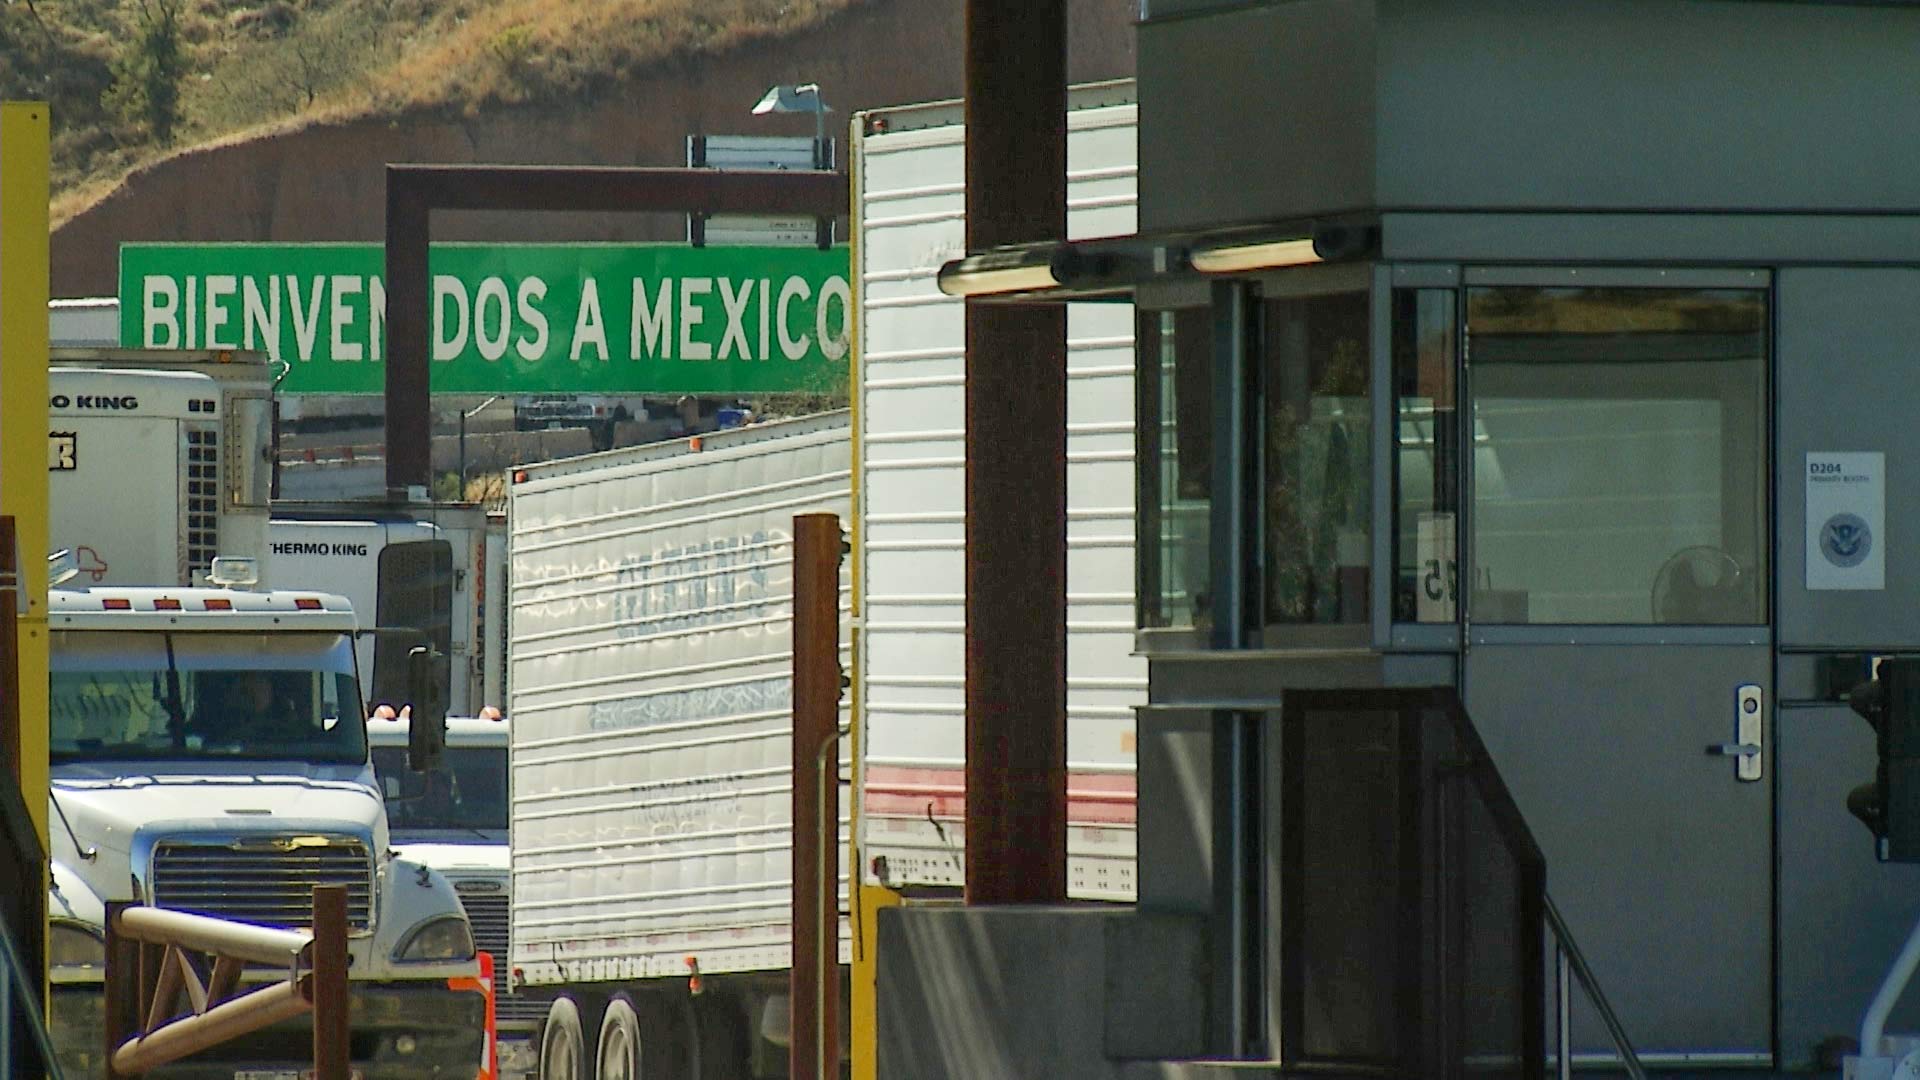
<point x="487" y="912"/>
<point x="202" y="500"/>
<point x="268" y="883"/>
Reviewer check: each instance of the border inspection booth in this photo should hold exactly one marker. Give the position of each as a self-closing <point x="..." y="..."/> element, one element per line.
<point x="1558" y="357"/>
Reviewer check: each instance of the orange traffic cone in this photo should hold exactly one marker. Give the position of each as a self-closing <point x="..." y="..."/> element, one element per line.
<point x="489" y="1066"/>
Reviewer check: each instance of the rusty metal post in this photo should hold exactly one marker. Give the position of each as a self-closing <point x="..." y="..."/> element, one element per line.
<point x="121" y="990"/>
<point x="1016" y="474"/>
<point x="814" y="1047"/>
<point x="409" y="418"/>
<point x="329" y="995"/>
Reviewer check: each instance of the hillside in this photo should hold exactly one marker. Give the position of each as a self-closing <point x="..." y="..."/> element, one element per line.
<point x="130" y="80"/>
<point x="288" y="110"/>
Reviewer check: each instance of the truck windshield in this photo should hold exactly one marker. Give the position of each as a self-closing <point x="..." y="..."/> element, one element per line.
<point x="196" y="696"/>
<point x="467" y="790"/>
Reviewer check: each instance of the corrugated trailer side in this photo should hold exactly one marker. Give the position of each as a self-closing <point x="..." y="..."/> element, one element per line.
<point x="910" y="468"/>
<point x="651" y="670"/>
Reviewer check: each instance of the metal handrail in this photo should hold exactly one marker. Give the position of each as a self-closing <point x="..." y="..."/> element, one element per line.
<point x="1567" y="955"/>
<point x="16" y="979"/>
<point x="144" y="1027"/>
<point x="221" y="937"/>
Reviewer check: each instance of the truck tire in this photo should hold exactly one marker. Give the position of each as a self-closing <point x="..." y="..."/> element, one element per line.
<point x="623" y="1052"/>
<point x="563" y="1043"/>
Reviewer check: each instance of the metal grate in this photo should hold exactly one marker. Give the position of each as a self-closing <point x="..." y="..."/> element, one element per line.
<point x="268" y="882"/>
<point x="202" y="499"/>
<point x="487" y="912"/>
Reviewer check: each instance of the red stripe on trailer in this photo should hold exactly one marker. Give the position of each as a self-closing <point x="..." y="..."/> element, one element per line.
<point x="1092" y="798"/>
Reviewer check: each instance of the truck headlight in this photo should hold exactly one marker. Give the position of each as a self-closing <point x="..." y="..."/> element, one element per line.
<point x="443" y="937"/>
<point x="75" y="948"/>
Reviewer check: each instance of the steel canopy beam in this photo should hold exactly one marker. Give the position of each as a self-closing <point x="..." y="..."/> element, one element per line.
<point x="1016" y="471"/>
<point x="415" y="191"/>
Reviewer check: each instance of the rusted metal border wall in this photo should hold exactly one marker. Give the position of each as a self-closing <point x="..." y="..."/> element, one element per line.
<point x="1016" y="472"/>
<point x="415" y="191"/>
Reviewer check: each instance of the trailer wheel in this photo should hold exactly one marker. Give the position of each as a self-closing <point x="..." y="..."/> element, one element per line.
<point x="621" y="1048"/>
<point x="563" y="1044"/>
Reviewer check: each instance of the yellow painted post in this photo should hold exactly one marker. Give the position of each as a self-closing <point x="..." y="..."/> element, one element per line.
<point x="865" y="1013"/>
<point x="23" y="415"/>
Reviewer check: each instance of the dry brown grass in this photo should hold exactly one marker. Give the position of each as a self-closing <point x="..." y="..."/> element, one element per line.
<point x="515" y="51"/>
<point x="460" y="56"/>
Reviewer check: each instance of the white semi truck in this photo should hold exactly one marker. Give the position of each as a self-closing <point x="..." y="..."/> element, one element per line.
<point x="209" y="754"/>
<point x="650" y="675"/>
<point x="650" y="655"/>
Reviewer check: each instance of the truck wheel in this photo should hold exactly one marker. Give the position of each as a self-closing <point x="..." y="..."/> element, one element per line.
<point x="563" y="1045"/>
<point x="621" y="1048"/>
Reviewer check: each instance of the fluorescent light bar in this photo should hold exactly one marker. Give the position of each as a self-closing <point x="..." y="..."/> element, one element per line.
<point x="994" y="273"/>
<point x="1239" y="258"/>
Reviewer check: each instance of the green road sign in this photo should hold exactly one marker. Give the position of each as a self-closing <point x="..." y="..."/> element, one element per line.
<point x="509" y="318"/>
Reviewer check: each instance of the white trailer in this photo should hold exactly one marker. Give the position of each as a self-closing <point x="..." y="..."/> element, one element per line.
<point x="157" y="462"/>
<point x="651" y="673"/>
<point x="909" y="461"/>
<point x="649" y="658"/>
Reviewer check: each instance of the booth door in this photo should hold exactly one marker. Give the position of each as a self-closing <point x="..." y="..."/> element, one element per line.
<point x="1618" y="658"/>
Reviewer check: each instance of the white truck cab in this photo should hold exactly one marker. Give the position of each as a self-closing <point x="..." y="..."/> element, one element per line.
<point x="209" y="754"/>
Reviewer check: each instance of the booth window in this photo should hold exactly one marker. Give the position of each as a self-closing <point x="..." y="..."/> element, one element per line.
<point x="1427" y="455"/>
<point x="1315" y="368"/>
<point x="1176" y="454"/>
<point x="1619" y="455"/>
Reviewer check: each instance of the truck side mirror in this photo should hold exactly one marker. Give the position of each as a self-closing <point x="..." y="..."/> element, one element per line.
<point x="415" y="590"/>
<point x="427" y="731"/>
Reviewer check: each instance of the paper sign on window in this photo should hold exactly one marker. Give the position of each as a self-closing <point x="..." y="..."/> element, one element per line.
<point x="1846" y="521"/>
<point x="1439" y="572"/>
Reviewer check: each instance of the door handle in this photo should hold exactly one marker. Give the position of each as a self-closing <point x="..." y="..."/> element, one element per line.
<point x="1749" y="721"/>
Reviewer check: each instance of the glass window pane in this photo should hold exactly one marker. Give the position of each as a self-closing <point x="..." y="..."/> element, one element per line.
<point x="1315" y="365"/>
<point x="1427" y="445"/>
<point x="1619" y="453"/>
<point x="1176" y="453"/>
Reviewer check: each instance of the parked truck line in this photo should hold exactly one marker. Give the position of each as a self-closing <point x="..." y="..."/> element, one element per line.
<point x="650" y="669"/>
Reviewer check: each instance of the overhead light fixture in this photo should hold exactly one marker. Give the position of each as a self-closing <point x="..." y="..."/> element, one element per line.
<point x="1241" y="255"/>
<point x="999" y="272"/>
<point x="801" y="98"/>
<point x="1267" y="255"/>
<point x="789" y="98"/>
